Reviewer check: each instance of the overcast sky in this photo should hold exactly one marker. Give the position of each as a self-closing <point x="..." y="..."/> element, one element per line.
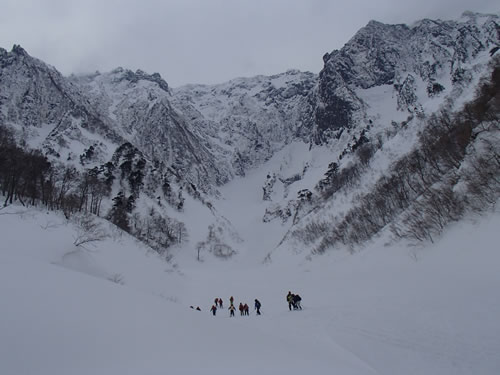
<point x="202" y="41"/>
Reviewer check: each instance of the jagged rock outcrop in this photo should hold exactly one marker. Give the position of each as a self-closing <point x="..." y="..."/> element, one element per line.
<point x="209" y="134"/>
<point x="250" y="118"/>
<point x="140" y="106"/>
<point x="439" y="53"/>
<point x="193" y="139"/>
<point x="45" y="108"/>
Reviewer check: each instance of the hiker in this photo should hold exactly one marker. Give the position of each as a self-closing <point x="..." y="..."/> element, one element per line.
<point x="296" y="302"/>
<point x="213" y="310"/>
<point x="231" y="300"/>
<point x="198" y="308"/>
<point x="231" y="310"/>
<point x="289" y="298"/>
<point x="257" y="306"/>
<point x="220" y="303"/>
<point x="245" y="309"/>
<point x="240" y="307"/>
<point x="216" y="301"/>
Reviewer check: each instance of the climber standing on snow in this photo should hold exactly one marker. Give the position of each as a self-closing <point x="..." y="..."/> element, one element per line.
<point x="296" y="302"/>
<point x="213" y="310"/>
<point x="289" y="299"/>
<point x="257" y="306"/>
<point x="231" y="310"/>
<point x="241" y="308"/>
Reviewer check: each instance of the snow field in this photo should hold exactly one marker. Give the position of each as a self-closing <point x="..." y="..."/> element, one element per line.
<point x="118" y="308"/>
<point x="57" y="321"/>
<point x="385" y="310"/>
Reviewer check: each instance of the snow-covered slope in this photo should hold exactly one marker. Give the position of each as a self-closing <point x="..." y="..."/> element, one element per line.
<point x="139" y="106"/>
<point x="379" y="89"/>
<point x="427" y="59"/>
<point x="48" y="112"/>
<point x="223" y="181"/>
<point x="116" y="308"/>
<point x="252" y="118"/>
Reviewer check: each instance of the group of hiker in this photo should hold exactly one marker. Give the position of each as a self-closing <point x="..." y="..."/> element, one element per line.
<point x="293" y="301"/>
<point x="243" y="307"/>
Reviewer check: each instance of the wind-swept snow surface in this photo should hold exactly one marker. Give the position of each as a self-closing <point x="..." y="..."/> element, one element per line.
<point x="57" y="321"/>
<point x="385" y="310"/>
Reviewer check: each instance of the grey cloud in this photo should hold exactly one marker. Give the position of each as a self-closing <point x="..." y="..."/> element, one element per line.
<point x="202" y="41"/>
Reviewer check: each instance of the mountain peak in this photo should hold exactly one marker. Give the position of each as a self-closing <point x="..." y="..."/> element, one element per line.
<point x="141" y="75"/>
<point x="18" y="50"/>
<point x="375" y="23"/>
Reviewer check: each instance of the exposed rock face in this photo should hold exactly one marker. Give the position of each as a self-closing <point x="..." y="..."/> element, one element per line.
<point x="380" y="54"/>
<point x="42" y="104"/>
<point x="196" y="138"/>
<point x="140" y="106"/>
<point x="209" y="134"/>
<point x="251" y="118"/>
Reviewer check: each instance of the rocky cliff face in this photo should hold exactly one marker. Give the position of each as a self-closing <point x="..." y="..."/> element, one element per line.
<point x="139" y="106"/>
<point x="46" y="109"/>
<point x="198" y="137"/>
<point x="209" y="134"/>
<point x="250" y="118"/>
<point x="441" y="54"/>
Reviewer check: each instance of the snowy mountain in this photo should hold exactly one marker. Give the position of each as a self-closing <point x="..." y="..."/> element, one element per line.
<point x="118" y="308"/>
<point x="371" y="189"/>
<point x="252" y="118"/>
<point x="139" y="105"/>
<point x="46" y="110"/>
<point x="150" y="151"/>
<point x="427" y="59"/>
<point x="117" y="148"/>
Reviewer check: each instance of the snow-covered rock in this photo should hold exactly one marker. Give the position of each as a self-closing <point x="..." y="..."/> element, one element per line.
<point x="439" y="54"/>
<point x="374" y="92"/>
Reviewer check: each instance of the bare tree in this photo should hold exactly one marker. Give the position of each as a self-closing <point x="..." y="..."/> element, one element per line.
<point x="89" y="230"/>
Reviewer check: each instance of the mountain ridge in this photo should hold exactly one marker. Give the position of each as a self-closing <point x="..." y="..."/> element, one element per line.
<point x="194" y="139"/>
